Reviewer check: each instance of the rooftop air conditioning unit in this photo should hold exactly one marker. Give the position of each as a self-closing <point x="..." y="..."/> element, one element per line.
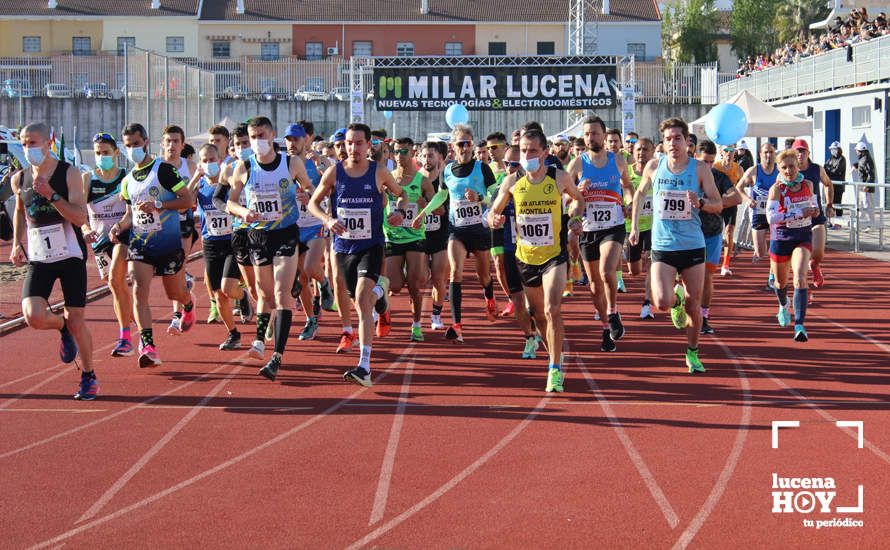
<point x="332" y="51"/>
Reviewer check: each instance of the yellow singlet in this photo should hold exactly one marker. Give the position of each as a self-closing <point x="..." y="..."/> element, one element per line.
<point x="539" y="230"/>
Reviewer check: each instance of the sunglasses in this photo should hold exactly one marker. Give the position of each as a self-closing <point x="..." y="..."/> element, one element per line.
<point x="463" y="144"/>
<point x="630" y="141"/>
<point x="512" y="164"/>
<point x="728" y="150"/>
<point x="402" y="151"/>
<point x="103" y="137"/>
<point x="494" y="147"/>
<point x="376" y="142"/>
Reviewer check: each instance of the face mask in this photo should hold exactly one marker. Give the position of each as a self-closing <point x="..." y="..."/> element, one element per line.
<point x="104" y="162"/>
<point x="261" y="146"/>
<point x="34" y="155"/>
<point x="530" y="165"/>
<point x="211" y="169"/>
<point x="245" y="153"/>
<point x="136" y="154"/>
<point x="835" y="152"/>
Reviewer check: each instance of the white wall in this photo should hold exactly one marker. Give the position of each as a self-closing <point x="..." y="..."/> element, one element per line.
<point x="151" y="33"/>
<point x="614" y="37"/>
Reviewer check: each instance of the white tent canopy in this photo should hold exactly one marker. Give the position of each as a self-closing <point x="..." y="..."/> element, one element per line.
<point x="201" y="139"/>
<point x="575" y="130"/>
<point x="763" y="120"/>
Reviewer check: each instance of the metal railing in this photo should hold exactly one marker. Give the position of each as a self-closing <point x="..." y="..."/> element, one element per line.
<point x="71" y="75"/>
<point x="675" y="83"/>
<point x="824" y="72"/>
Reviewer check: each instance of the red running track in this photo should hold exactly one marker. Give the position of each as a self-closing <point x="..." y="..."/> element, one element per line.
<point x="459" y="446"/>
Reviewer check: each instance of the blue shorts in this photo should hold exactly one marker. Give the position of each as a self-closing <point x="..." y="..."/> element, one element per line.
<point x="310" y="233"/>
<point x="780" y="251"/>
<point x="713" y="247"/>
<point x="758" y="221"/>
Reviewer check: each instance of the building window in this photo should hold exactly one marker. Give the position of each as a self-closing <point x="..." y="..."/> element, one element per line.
<point x="637" y="49"/>
<point x="314" y="50"/>
<point x="270" y="51"/>
<point x="123" y="42"/>
<point x="497" y="48"/>
<point x="31" y="44"/>
<point x="818" y="117"/>
<point x="222" y="48"/>
<point x="862" y="116"/>
<point x="362" y="48"/>
<point x="454" y="48"/>
<point x="81" y="45"/>
<point x="175" y="44"/>
<point x="546" y="48"/>
<point x="404" y="49"/>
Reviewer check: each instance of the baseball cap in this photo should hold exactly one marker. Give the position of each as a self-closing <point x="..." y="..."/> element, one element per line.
<point x="835" y="145"/>
<point x="861" y="146"/>
<point x="800" y="143"/>
<point x="742" y="145"/>
<point x="339" y="135"/>
<point x="295" y="131"/>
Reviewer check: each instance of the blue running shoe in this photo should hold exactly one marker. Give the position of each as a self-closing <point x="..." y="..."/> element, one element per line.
<point x="800" y="334"/>
<point x="67" y="346"/>
<point x="123" y="348"/>
<point x="89" y="387"/>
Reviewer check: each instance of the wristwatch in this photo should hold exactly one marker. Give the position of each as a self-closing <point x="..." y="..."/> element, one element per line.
<point x="701" y="203"/>
<point x="55" y="197"/>
<point x="158" y="204"/>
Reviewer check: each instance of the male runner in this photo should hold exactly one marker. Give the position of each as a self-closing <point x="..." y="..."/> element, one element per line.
<point x="728" y="165"/>
<point x="436" y="230"/>
<point x="638" y="254"/>
<point x="816" y="174"/>
<point x="755" y="186"/>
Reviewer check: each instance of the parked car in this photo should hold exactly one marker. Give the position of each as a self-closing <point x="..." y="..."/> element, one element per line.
<point x="340" y="93"/>
<point x="98" y="90"/>
<point x="311" y="92"/>
<point x="57" y="90"/>
<point x="17" y="87"/>
<point x="236" y="91"/>
<point x="274" y="93"/>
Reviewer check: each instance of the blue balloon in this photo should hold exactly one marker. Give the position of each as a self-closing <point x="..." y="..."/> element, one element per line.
<point x="726" y="124"/>
<point x="456" y="114"/>
<point x="387" y="114"/>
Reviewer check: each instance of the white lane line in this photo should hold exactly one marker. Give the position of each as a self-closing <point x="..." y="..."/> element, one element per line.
<point x="666" y="509"/>
<point x="573" y="403"/>
<point x="33" y="374"/>
<point x="70" y="411"/>
<point x="453" y="482"/>
<point x="389" y="458"/>
<point x="56" y="366"/>
<point x="155" y="449"/>
<point x="33" y="388"/>
<point x="219" y="467"/>
<point x="880" y="345"/>
<point x="731" y="461"/>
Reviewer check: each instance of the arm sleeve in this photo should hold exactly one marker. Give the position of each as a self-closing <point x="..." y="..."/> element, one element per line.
<point x="773" y="215"/>
<point x="488" y="175"/>
<point x="169" y="178"/>
<point x="438" y="200"/>
<point x="220" y="196"/>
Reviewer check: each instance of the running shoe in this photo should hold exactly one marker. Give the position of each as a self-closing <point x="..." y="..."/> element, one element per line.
<point x="436" y="322"/>
<point x="175" y="327"/>
<point x="531" y="348"/>
<point x="123" y="348"/>
<point x="692" y="361"/>
<point x="346" y="340"/>
<point x="508" y="310"/>
<point x="454" y="333"/>
<point x="384" y="324"/>
<point x="608" y="344"/>
<point x="67" y="346"/>
<point x="706" y="327"/>
<point x="358" y="376"/>
<point x="89" y="387"/>
<point x="725" y="272"/>
<point x="621" y="288"/>
<point x="246" y="308"/>
<point x="800" y="334"/>
<point x="416" y="334"/>
<point x="213" y="315"/>
<point x="783" y="316"/>
<point x="189" y="317"/>
<point x="567" y="291"/>
<point x="382" y="303"/>
<point x="270" y="370"/>
<point x="327" y="297"/>
<point x="233" y="342"/>
<point x="310" y="329"/>
<point x="148" y="357"/>
<point x="646" y="312"/>
<point x="554" y="381"/>
<point x="678" y="312"/>
<point x="818" y="278"/>
<point x="491" y="309"/>
<point x="257" y="349"/>
<point x="616" y="328"/>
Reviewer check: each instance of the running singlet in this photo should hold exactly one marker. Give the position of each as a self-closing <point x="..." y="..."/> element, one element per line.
<point x="813" y="174"/>
<point x="602" y="199"/>
<point x="464" y="214"/>
<point x="644" y="222"/>
<point x="51" y="238"/>
<point x="760" y="190"/>
<point x="153" y="233"/>
<point x="358" y="205"/>
<point x="104" y="206"/>
<point x="270" y="192"/>
<point x="539" y="228"/>
<point x="306" y="218"/>
<point x="799" y="229"/>
<point x="676" y="225"/>
<point x="733" y="171"/>
<point x="405" y="233"/>
<point x="216" y="225"/>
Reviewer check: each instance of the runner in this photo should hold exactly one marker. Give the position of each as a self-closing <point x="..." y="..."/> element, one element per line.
<point x="638" y="260"/>
<point x="712" y="228"/>
<point x="220" y="270"/>
<point x="102" y="187"/>
<point x="728" y="165"/>
<point x="356" y="186"/>
<point x="495" y="144"/>
<point x="272" y="186"/>
<point x="815" y="173"/>
<point x="50" y="208"/>
<point x="541" y="239"/>
<point x="219" y="138"/>
<point x="602" y="177"/>
<point x="760" y="178"/>
<point x="681" y="187"/>
<point x="405" y="253"/>
<point x="436" y="230"/>
<point x="154" y="193"/>
<point x="481" y="152"/>
<point x="791" y="211"/>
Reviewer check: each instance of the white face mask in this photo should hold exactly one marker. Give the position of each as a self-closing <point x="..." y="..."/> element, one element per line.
<point x="260" y="146"/>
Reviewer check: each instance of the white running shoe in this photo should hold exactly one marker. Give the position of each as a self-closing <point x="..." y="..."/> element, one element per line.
<point x="646" y="312"/>
<point x="257" y="349"/>
<point x="175" y="327"/>
<point x="436" y="322"/>
<point x="725" y="272"/>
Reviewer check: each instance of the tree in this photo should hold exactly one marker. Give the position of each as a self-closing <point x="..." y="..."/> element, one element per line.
<point x="689" y="29"/>
<point x="748" y="33"/>
<point x="793" y="17"/>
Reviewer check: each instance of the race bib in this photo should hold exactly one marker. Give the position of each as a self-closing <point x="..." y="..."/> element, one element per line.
<point x="267" y="205"/>
<point x="410" y="212"/>
<point x="802" y="222"/>
<point x="646" y="209"/>
<point x="535" y="229"/>
<point x="467" y="213"/>
<point x="102" y="265"/>
<point x="357" y="222"/>
<point x="306" y="218"/>
<point x="218" y="224"/>
<point x="432" y="222"/>
<point x="146" y="222"/>
<point x="602" y="215"/>
<point x="675" y="206"/>
<point x="47" y="243"/>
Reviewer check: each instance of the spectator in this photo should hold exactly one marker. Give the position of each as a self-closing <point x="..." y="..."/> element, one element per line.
<point x="836" y="168"/>
<point x="745" y="158"/>
<point x="865" y="167"/>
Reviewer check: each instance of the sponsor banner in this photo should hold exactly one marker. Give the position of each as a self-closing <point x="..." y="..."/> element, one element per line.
<point x="492" y="88"/>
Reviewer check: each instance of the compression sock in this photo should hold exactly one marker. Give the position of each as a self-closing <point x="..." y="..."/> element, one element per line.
<point x="262" y="323"/>
<point x="283" y="319"/>
<point x="146" y="336"/>
<point x="488" y="290"/>
<point x="800" y="305"/>
<point x="456" y="294"/>
<point x="782" y="295"/>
